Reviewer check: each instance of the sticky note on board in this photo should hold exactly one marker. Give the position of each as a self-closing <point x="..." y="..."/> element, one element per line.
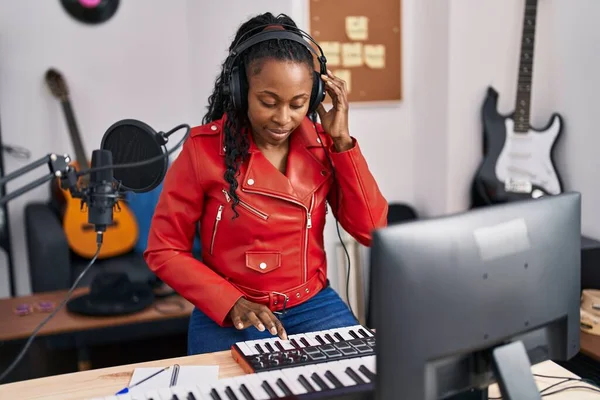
<point x="357" y="28"/>
<point x="332" y="51"/>
<point x="374" y="55"/>
<point x="352" y="55"/>
<point x="345" y="75"/>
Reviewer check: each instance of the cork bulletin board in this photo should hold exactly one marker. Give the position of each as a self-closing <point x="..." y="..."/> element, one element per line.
<point x="361" y="40"/>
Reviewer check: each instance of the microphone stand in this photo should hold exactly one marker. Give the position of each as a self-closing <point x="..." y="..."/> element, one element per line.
<point x="59" y="168"/>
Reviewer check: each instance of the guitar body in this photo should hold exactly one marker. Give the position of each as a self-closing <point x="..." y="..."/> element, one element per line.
<point x="121" y="236"/>
<point x="516" y="165"/>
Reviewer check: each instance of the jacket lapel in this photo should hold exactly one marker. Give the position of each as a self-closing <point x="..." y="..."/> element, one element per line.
<point x="305" y="171"/>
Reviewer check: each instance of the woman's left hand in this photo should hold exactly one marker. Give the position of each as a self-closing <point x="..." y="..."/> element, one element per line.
<point x="335" y="121"/>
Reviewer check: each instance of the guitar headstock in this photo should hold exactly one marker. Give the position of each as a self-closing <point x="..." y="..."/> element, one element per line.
<point x="57" y="84"/>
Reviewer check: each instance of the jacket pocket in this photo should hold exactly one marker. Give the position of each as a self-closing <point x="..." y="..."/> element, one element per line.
<point x="216" y="228"/>
<point x="263" y="261"/>
<point x="253" y="210"/>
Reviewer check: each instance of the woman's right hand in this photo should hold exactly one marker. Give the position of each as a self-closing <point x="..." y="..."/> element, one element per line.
<point x="246" y="313"/>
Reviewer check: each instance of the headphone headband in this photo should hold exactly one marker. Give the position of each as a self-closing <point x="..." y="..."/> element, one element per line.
<point x="289" y="34"/>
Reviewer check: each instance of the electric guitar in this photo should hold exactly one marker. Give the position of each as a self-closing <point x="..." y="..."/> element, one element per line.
<point x="122" y="235"/>
<point x="518" y="159"/>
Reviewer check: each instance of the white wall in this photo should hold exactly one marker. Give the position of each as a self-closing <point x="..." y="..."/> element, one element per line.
<point x="158" y="61"/>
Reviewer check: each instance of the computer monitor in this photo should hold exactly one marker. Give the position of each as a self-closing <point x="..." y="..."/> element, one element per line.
<point x="467" y="300"/>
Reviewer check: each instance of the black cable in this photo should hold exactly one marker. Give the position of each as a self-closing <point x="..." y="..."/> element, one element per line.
<point x="57" y="309"/>
<point x="565" y="379"/>
<point x="145" y="162"/>
<point x="572" y="387"/>
<point x="313" y="118"/>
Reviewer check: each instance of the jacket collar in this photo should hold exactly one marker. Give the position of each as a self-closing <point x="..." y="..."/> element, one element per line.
<point x="305" y="171"/>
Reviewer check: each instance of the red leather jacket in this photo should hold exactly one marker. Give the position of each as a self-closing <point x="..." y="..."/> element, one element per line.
<point x="273" y="252"/>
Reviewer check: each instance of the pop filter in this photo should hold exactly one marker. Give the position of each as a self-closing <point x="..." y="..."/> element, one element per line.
<point x="129" y="141"/>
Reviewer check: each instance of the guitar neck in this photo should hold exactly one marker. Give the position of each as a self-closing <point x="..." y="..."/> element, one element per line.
<point x="80" y="154"/>
<point x="523" y="102"/>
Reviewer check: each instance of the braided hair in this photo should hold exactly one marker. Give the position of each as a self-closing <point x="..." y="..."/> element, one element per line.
<point x="236" y="140"/>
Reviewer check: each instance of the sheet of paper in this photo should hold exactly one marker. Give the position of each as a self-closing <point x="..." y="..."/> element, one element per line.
<point x="375" y="55"/>
<point x="332" y="52"/>
<point x="189" y="375"/>
<point x="357" y="28"/>
<point x="352" y="55"/>
<point x="345" y="75"/>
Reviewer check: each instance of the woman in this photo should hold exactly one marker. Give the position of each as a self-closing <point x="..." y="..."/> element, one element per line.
<point x="256" y="180"/>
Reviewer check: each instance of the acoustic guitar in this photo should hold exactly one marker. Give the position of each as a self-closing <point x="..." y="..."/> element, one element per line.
<point x="122" y="235"/>
<point x="518" y="159"/>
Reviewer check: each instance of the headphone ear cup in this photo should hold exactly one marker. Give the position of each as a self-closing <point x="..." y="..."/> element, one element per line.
<point x="318" y="93"/>
<point x="238" y="89"/>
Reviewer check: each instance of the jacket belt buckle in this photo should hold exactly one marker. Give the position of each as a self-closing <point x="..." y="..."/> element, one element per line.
<point x="285" y="301"/>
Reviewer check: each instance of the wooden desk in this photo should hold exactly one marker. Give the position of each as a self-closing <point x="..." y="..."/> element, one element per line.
<point x="13" y="327"/>
<point x="107" y="381"/>
<point x="82" y="327"/>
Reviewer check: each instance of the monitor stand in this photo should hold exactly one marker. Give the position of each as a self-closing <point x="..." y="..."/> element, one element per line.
<point x="512" y="370"/>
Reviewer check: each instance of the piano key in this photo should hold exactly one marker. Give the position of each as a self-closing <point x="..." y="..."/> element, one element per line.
<point x="215" y="395"/>
<point x="252" y="382"/>
<point x="246" y="392"/>
<point x="338" y="369"/>
<point x="365" y="333"/>
<point x="296" y="343"/>
<point x="193" y="394"/>
<point x="329" y="337"/>
<point x="319" y="381"/>
<point x="287" y="344"/>
<point x="230" y="394"/>
<point x="306" y="384"/>
<point x="269" y="346"/>
<point x="355" y="363"/>
<point x="353" y="334"/>
<point x="180" y="392"/>
<point x="312" y="340"/>
<point x="270" y="391"/>
<point x="354" y="375"/>
<point x="320" y="339"/>
<point x="274" y="375"/>
<point x="284" y="388"/>
<point x="291" y="375"/>
<point x="247" y="350"/>
<point x="367" y="372"/>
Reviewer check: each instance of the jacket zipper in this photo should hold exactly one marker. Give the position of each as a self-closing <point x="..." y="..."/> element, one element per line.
<point x="214" y="235"/>
<point x="247" y="206"/>
<point x="308" y="224"/>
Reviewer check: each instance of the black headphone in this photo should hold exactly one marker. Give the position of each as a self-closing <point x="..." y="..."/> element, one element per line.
<point x="236" y="83"/>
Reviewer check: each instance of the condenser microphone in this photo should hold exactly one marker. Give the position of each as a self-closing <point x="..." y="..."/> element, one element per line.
<point x="101" y="194"/>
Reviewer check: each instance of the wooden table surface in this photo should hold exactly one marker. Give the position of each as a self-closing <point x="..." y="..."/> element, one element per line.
<point x="13" y="326"/>
<point x="107" y="381"/>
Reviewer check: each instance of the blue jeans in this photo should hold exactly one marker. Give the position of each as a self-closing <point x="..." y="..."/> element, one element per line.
<point x="324" y="311"/>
